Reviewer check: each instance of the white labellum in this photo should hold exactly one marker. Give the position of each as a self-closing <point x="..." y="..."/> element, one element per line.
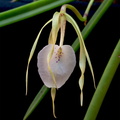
<point x="62" y="64"/>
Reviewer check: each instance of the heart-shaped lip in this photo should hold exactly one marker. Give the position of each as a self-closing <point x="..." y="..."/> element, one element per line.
<point x="62" y="64"/>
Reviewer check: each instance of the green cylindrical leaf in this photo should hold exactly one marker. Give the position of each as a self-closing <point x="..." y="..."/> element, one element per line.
<point x="103" y="84"/>
<point x="36" y="101"/>
<point x="29" y="10"/>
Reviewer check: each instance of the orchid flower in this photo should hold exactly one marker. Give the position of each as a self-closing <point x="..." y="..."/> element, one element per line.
<point x="56" y="62"/>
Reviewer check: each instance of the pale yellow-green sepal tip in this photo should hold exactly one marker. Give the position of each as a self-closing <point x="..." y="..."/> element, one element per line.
<point x="81" y="98"/>
<point x="81" y="84"/>
<point x="32" y="52"/>
<point x="53" y="94"/>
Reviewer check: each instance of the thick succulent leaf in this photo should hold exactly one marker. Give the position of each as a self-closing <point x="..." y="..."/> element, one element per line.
<point x="62" y="64"/>
<point x="32" y="52"/>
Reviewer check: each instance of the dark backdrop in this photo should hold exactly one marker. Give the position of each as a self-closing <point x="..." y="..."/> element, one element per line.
<point x="15" y="43"/>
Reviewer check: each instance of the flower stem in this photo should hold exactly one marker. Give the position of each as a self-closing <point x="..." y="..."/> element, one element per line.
<point x="88" y="9"/>
<point x="93" y="21"/>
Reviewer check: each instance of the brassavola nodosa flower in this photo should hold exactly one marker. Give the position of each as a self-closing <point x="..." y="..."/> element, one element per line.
<point x="56" y="62"/>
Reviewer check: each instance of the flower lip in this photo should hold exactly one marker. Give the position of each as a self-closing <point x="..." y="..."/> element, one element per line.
<point x="62" y="65"/>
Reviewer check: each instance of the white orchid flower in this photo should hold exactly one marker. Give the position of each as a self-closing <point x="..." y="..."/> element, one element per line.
<point x="56" y="62"/>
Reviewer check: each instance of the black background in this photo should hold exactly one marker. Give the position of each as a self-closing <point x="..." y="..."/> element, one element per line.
<point x="15" y="43"/>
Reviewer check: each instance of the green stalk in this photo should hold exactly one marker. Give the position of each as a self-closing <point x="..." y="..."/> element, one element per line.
<point x="36" y="101"/>
<point x="88" y="9"/>
<point x="103" y="85"/>
<point x="93" y="21"/>
<point x="29" y="10"/>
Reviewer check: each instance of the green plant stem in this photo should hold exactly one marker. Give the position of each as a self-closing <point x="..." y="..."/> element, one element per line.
<point x="88" y="9"/>
<point x="29" y="10"/>
<point x="36" y="101"/>
<point x="103" y="84"/>
<point x="93" y="21"/>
